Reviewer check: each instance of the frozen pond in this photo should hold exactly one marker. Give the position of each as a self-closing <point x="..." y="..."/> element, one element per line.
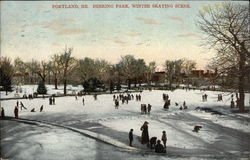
<point x="221" y="136"/>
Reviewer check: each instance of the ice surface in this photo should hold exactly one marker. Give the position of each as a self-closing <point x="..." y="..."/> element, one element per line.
<point x="177" y="123"/>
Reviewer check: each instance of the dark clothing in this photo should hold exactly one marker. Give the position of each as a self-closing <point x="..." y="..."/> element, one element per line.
<point x="153" y="142"/>
<point x="41" y="108"/>
<point x="130" y="138"/>
<point x="144" y="136"/>
<point x="16" y="112"/>
<point x="159" y="148"/>
<point x="2" y="113"/>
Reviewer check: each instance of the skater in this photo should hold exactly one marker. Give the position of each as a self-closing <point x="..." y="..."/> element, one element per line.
<point x="16" y="112"/>
<point x="143" y="108"/>
<point x="144" y="136"/>
<point x="205" y="97"/>
<point x="41" y="108"/>
<point x="22" y="106"/>
<point x="164" y="138"/>
<point x="83" y="101"/>
<point x="197" y="128"/>
<point x="116" y="104"/>
<point x="76" y="97"/>
<point x="184" y="104"/>
<point x="50" y="100"/>
<point x="17" y="103"/>
<point x="33" y="110"/>
<point x="159" y="147"/>
<point x="149" y="108"/>
<point x="130" y="137"/>
<point x="153" y="142"/>
<point x="53" y="100"/>
<point x="232" y="103"/>
<point x="95" y="96"/>
<point x="2" y="113"/>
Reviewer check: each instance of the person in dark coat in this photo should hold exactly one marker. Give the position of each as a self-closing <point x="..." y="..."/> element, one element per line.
<point x="130" y="136"/>
<point x="50" y="100"/>
<point x="2" y="113"/>
<point x="22" y="106"/>
<point x="33" y="110"/>
<point x="144" y="136"/>
<point x="159" y="147"/>
<point x="53" y="100"/>
<point x="41" y="108"/>
<point x="116" y="104"/>
<point x="16" y="112"/>
<point x="153" y="142"/>
<point x="82" y="101"/>
<point x="149" y="108"/>
<point x="232" y="103"/>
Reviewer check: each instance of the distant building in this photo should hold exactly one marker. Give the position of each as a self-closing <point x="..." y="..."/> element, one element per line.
<point x="203" y="74"/>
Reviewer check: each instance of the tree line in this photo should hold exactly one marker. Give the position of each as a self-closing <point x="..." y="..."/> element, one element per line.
<point x="65" y="69"/>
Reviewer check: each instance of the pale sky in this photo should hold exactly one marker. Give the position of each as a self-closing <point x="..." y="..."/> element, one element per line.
<point x="35" y="30"/>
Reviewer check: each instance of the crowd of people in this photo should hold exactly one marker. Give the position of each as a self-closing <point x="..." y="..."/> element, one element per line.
<point x="152" y="142"/>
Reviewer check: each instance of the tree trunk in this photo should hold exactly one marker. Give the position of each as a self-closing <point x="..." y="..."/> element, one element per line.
<point x="241" y="84"/>
<point x="43" y="80"/>
<point x="65" y="87"/>
<point x="56" y="83"/>
<point x="135" y="81"/>
<point x="129" y="84"/>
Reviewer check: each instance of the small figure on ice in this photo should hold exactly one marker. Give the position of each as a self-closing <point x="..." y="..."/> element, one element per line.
<point x="2" y="113"/>
<point x="149" y="108"/>
<point x="164" y="138"/>
<point x="131" y="137"/>
<point x="41" y="108"/>
<point x="33" y="110"/>
<point x="16" y="112"/>
<point x="152" y="142"/>
<point x="22" y="106"/>
<point x="159" y="147"/>
<point x="83" y="101"/>
<point x="197" y="128"/>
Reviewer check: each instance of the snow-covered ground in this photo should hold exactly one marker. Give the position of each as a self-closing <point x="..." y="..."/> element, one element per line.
<point x="222" y="136"/>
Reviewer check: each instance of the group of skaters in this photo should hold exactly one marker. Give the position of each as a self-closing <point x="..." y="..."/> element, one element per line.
<point x="152" y="143"/>
<point x="167" y="101"/>
<point x="233" y="102"/>
<point x="145" y="109"/>
<point x="125" y="98"/>
<point x="52" y="100"/>
<point x="204" y="97"/>
<point x="219" y="97"/>
<point x="184" y="106"/>
<point x="30" y="96"/>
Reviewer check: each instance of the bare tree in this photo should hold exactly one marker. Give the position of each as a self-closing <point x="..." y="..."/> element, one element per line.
<point x="40" y="69"/>
<point x="68" y="63"/>
<point x="173" y="70"/>
<point x="151" y="70"/>
<point x="55" y="68"/>
<point x="227" y="31"/>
